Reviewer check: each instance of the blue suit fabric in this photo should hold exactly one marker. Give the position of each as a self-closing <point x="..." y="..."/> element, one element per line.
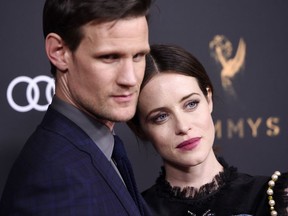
<point x="61" y="171"/>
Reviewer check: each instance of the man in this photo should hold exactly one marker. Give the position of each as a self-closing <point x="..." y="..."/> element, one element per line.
<point x="97" y="53"/>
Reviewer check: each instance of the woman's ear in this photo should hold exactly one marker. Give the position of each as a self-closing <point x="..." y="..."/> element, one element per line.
<point x="56" y="50"/>
<point x="209" y="99"/>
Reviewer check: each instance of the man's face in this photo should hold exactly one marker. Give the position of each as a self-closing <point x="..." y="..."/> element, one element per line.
<point x="105" y="72"/>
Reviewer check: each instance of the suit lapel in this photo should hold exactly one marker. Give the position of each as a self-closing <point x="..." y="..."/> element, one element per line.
<point x="62" y="125"/>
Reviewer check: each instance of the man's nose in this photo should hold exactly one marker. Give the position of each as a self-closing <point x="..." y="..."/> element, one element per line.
<point x="127" y="75"/>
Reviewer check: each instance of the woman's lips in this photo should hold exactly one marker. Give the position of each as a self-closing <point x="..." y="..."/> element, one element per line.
<point x="189" y="144"/>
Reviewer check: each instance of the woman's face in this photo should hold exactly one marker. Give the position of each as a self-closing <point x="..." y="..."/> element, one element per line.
<point x="176" y="117"/>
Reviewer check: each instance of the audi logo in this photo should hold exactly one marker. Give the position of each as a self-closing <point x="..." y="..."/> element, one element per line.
<point x="32" y="93"/>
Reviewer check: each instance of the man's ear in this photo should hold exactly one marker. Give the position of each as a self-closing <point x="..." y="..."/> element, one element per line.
<point x="56" y="50"/>
<point x="209" y="99"/>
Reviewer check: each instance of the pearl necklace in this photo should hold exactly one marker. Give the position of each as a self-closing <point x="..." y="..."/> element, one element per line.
<point x="270" y="192"/>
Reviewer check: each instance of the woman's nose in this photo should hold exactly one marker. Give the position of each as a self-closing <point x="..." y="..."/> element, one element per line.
<point x="182" y="125"/>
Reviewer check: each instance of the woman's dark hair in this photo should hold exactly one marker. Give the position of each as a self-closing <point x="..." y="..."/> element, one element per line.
<point x="171" y="59"/>
<point x="66" y="17"/>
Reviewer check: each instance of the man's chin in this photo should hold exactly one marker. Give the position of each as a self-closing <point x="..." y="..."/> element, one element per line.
<point x="123" y="116"/>
<point x="123" y="119"/>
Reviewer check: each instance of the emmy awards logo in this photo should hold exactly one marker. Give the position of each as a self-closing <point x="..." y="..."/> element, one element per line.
<point x="222" y="49"/>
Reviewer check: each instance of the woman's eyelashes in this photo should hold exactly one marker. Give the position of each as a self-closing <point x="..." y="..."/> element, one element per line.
<point x="159" y="118"/>
<point x="162" y="116"/>
<point x="191" y="104"/>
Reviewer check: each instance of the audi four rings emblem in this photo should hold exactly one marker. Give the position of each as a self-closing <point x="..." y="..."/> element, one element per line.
<point x="32" y="93"/>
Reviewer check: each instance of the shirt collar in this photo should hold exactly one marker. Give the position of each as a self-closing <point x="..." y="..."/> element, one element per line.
<point x="98" y="132"/>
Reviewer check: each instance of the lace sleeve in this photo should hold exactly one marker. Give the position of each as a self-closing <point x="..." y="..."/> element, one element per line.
<point x="280" y="194"/>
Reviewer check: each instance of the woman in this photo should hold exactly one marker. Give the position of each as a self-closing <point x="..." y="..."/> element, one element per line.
<point x="174" y="114"/>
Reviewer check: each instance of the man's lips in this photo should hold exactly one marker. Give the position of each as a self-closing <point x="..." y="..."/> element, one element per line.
<point x="189" y="144"/>
<point x="126" y="97"/>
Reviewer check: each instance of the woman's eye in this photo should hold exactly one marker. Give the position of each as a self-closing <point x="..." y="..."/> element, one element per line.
<point x="192" y="104"/>
<point x="159" y="118"/>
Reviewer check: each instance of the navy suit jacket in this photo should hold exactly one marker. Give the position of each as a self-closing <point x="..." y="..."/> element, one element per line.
<point x="60" y="171"/>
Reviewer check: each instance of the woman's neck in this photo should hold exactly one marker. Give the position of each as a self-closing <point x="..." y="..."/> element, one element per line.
<point x="193" y="176"/>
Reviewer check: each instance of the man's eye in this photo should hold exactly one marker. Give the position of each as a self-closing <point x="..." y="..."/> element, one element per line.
<point x="109" y="58"/>
<point x="138" y="57"/>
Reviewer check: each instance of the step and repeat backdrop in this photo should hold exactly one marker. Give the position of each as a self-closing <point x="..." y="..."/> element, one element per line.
<point x="242" y="44"/>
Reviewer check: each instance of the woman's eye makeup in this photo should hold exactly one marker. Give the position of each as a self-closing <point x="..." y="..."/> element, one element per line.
<point x="158" y="118"/>
<point x="191" y="104"/>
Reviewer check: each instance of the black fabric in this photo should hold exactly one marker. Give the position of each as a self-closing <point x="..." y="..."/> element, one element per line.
<point x="230" y="193"/>
<point x="123" y="164"/>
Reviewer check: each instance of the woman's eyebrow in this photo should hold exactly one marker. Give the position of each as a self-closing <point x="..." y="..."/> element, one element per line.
<point x="188" y="96"/>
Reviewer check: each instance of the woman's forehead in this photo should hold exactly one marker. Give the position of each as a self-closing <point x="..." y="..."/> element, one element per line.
<point x="167" y="85"/>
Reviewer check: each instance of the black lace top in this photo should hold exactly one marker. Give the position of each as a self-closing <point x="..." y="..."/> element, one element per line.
<point x="230" y="193"/>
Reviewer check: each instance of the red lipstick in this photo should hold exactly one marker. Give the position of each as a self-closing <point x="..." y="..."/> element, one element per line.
<point x="189" y="144"/>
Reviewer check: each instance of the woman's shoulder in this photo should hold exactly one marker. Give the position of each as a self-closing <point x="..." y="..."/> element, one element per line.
<point x="149" y="191"/>
<point x="273" y="187"/>
<point x="278" y="192"/>
<point x="230" y="183"/>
